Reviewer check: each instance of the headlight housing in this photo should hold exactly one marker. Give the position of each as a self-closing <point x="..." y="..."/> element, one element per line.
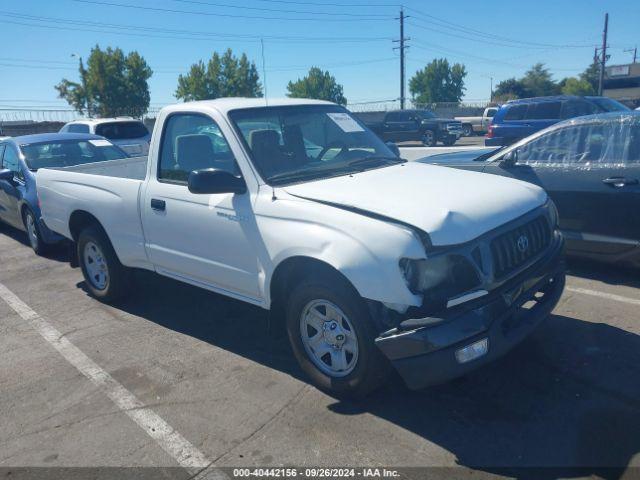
<point x="439" y="278"/>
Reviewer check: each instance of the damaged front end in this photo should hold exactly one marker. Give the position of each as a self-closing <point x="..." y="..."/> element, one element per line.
<point x="479" y="300"/>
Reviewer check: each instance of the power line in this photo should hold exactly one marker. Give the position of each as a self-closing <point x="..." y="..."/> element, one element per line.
<point x="279" y="10"/>
<point x="461" y="28"/>
<point x="171" y="34"/>
<point x="227" y="15"/>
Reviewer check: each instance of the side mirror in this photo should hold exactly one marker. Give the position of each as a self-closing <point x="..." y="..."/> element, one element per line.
<point x="212" y="180"/>
<point x="6" y="174"/>
<point x="394" y="148"/>
<point x="509" y="159"/>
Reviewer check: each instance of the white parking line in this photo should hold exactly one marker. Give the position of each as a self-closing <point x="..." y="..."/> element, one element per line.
<point x="608" y="296"/>
<point x="169" y="439"/>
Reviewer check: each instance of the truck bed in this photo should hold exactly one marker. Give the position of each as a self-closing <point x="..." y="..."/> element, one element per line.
<point x="108" y="191"/>
<point x="134" y="168"/>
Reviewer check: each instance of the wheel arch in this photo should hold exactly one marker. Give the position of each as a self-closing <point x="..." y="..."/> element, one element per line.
<point x="296" y="268"/>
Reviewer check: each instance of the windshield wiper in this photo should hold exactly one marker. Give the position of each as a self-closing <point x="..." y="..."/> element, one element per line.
<point x="375" y="160"/>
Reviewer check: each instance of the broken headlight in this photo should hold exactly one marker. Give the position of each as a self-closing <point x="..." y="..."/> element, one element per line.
<point x="440" y="278"/>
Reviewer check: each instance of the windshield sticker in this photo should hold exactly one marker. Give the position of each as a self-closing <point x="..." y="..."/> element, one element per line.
<point x="100" y="143"/>
<point x="345" y="122"/>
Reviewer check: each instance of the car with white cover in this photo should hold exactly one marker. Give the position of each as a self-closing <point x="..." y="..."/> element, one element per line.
<point x="295" y="206"/>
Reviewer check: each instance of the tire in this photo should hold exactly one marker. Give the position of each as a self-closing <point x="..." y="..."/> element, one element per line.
<point x="449" y="141"/>
<point x="105" y="277"/>
<point x="429" y="138"/>
<point x="360" y="376"/>
<point x="467" y="130"/>
<point x="33" y="232"/>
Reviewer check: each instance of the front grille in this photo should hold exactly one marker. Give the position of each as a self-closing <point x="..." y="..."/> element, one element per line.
<point x="515" y="248"/>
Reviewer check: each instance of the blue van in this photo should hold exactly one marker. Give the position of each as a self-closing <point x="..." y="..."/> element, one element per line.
<point x="517" y="119"/>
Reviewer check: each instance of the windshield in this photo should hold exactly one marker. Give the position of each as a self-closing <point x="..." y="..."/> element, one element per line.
<point x="67" y="153"/>
<point x="298" y="143"/>
<point x="609" y="105"/>
<point x="122" y="130"/>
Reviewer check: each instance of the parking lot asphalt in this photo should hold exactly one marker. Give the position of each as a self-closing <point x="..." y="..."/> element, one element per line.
<point x="220" y="374"/>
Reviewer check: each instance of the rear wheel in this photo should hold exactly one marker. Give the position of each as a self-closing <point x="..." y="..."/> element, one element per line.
<point x="332" y="336"/>
<point x="106" y="278"/>
<point x="33" y="232"/>
<point x="429" y="138"/>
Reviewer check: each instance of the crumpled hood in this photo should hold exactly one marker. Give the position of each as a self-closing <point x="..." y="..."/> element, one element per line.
<point x="452" y="206"/>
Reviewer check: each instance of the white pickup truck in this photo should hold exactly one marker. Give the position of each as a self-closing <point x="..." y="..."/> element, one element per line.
<point x="299" y="208"/>
<point x="479" y="124"/>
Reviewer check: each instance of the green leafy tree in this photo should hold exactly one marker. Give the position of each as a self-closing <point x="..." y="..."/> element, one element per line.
<point x="222" y="76"/>
<point x="576" y="86"/>
<point x="112" y="84"/>
<point x="538" y="81"/>
<point x="592" y="75"/>
<point x="317" y="84"/>
<point x="510" y="89"/>
<point x="438" y="82"/>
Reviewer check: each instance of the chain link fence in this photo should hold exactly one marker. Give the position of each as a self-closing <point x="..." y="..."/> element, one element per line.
<point x="25" y="121"/>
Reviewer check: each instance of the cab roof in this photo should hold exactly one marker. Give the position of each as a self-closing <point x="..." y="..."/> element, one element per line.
<point x="225" y="105"/>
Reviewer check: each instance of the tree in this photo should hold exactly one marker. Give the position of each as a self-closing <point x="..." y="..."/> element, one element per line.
<point x="112" y="84"/>
<point x="575" y="86"/>
<point x="510" y="89"/>
<point x="538" y="82"/>
<point x="438" y="82"/>
<point x="592" y="75"/>
<point x="319" y="85"/>
<point x="223" y="76"/>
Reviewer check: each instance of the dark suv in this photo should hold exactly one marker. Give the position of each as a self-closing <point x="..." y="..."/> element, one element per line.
<point x="520" y="118"/>
<point x="417" y="125"/>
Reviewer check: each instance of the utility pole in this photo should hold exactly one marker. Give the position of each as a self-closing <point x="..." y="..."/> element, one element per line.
<point x="635" y="53"/>
<point x="402" y="49"/>
<point x="491" y="92"/>
<point x="603" y="59"/>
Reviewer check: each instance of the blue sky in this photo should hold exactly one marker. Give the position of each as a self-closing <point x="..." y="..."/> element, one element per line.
<point x="351" y="38"/>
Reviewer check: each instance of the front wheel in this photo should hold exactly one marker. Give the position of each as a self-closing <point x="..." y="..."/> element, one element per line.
<point x="449" y="141"/>
<point x="467" y="130"/>
<point x="332" y="337"/>
<point x="106" y="278"/>
<point x="33" y="233"/>
<point x="429" y="138"/>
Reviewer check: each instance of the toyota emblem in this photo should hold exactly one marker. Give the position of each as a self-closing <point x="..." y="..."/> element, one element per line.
<point x="523" y="243"/>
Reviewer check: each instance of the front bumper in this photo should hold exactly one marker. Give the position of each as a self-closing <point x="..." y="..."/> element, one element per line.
<point x="427" y="356"/>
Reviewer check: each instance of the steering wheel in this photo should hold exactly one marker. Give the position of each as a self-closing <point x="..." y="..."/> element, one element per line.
<point x="334" y="144"/>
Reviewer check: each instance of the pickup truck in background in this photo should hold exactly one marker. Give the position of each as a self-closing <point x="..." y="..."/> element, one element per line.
<point x="477" y="125"/>
<point x="297" y="207"/>
<point x="417" y="126"/>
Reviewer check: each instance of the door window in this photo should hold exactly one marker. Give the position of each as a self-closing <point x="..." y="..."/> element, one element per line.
<point x="543" y="111"/>
<point x="515" y="112"/>
<point x="491" y="112"/>
<point x="10" y="161"/>
<point x="77" y="128"/>
<point x="576" y="108"/>
<point x="405" y="117"/>
<point x="192" y="142"/>
<point x="393" y="117"/>
<point x="554" y="148"/>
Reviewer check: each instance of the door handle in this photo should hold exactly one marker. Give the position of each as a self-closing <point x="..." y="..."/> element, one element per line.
<point x="158" y="205"/>
<point x="619" y="182"/>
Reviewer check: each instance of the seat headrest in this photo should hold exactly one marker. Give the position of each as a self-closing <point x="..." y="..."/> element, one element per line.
<point x="262" y="139"/>
<point x="194" y="152"/>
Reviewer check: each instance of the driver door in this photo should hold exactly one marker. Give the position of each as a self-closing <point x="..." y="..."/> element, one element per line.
<point x="198" y="238"/>
<point x="9" y="189"/>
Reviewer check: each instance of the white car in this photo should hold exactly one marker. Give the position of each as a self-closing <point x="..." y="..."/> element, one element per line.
<point x="129" y="134"/>
<point x="299" y="208"/>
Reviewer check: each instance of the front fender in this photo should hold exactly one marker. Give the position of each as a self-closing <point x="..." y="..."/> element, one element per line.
<point x="366" y="253"/>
